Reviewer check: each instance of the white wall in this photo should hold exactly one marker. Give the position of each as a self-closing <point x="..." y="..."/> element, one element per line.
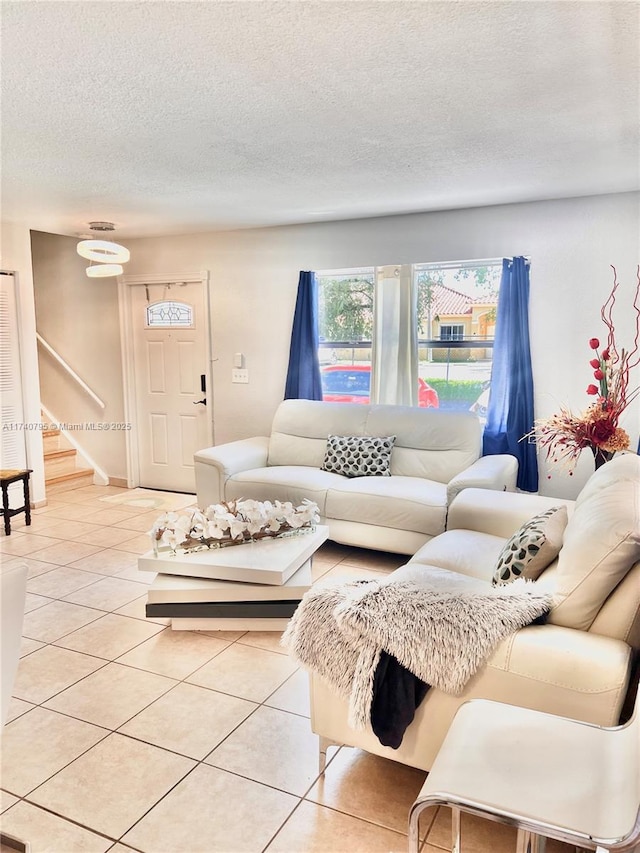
<point x="78" y="317"/>
<point x="15" y="256"/>
<point x="254" y="277"/>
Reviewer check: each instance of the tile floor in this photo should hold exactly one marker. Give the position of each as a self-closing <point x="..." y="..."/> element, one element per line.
<point x="124" y="735"/>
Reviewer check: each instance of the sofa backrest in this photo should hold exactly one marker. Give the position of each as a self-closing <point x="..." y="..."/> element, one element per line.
<point x="429" y="443"/>
<point x="601" y="545"/>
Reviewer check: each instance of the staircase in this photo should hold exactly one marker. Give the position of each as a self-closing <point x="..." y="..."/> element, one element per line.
<point x="61" y="471"/>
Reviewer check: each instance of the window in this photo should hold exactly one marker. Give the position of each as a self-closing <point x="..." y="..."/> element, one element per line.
<point x="456" y="315"/>
<point x="451" y="333"/>
<point x="169" y="314"/>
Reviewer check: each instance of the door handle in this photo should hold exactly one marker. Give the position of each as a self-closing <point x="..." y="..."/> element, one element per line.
<point x="198" y="402"/>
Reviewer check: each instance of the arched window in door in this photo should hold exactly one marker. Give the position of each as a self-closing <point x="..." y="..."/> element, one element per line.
<point x="169" y="314"/>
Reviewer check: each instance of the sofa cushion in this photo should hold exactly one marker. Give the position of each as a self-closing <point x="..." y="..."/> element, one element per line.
<point x="359" y="455"/>
<point x="601" y="542"/>
<point x="467" y="552"/>
<point x="403" y="503"/>
<point x="430" y="444"/>
<point x="533" y="547"/>
<point x="284" y="483"/>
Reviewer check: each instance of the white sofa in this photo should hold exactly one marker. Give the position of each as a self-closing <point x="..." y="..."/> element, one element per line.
<point x="578" y="663"/>
<point x="436" y="455"/>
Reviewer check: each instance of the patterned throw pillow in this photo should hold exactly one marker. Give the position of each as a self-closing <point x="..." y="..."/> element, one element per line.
<point x="533" y="547"/>
<point x="359" y="455"/>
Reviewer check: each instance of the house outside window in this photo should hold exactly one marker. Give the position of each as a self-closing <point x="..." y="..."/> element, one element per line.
<point x="455" y="314"/>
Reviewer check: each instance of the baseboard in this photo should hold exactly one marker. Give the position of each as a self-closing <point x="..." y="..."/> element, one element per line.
<point x="118" y="481"/>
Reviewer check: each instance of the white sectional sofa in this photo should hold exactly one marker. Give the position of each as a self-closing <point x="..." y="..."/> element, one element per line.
<point x="578" y="663"/>
<point x="436" y="455"/>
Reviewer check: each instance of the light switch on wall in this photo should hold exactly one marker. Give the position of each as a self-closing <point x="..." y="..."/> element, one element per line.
<point x="240" y="376"/>
<point x="238" y="360"/>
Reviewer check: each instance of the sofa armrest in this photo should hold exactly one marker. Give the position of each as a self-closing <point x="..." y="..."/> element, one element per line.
<point x="498" y="513"/>
<point x="489" y="472"/>
<point x="215" y="465"/>
<point x="577" y="661"/>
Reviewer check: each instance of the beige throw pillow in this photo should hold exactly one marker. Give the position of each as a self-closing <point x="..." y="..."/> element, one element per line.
<point x="533" y="547"/>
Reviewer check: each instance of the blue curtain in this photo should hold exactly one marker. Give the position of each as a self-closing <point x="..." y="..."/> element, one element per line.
<point x="510" y="411"/>
<point x="303" y="375"/>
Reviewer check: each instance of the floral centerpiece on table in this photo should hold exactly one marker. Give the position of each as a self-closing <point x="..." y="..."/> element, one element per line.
<point x="232" y="523"/>
<point x="565" y="435"/>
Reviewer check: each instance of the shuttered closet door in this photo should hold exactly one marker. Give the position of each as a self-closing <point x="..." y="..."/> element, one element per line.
<point x="12" y="448"/>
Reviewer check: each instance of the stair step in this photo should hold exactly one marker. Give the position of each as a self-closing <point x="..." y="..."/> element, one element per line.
<point x="49" y="432"/>
<point x="58" y="454"/>
<point x="71" y="480"/>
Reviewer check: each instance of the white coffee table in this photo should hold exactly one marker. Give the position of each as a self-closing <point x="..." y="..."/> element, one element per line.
<point x="256" y="586"/>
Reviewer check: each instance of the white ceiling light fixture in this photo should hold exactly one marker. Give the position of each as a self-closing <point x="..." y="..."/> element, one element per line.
<point x="108" y="255"/>
<point x="104" y="270"/>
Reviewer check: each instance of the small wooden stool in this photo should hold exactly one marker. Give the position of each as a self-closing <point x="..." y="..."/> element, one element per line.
<point x="8" y="477"/>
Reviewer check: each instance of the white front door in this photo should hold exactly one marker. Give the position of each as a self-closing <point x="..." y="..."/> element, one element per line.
<point x="170" y="337"/>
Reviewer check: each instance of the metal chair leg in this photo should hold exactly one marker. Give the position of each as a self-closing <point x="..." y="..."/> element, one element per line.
<point x="455" y="830"/>
<point x="323" y="744"/>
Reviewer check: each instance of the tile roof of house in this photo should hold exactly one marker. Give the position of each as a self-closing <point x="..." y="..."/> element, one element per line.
<point x="447" y="301"/>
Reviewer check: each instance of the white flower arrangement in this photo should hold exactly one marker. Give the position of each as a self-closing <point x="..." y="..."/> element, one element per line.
<point x="232" y="523"/>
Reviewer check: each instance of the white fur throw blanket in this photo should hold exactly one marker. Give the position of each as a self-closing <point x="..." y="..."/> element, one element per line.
<point x="442" y="628"/>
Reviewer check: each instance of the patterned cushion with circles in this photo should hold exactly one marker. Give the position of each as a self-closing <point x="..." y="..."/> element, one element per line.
<point x="359" y="455"/>
<point x="533" y="547"/>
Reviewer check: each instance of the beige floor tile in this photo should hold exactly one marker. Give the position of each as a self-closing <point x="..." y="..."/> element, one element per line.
<point x="106" y="562"/>
<point x="379" y="561"/>
<point x="110" y="696"/>
<point x="56" y="619"/>
<point x="176" y="654"/>
<point x="139" y="544"/>
<point x="232" y="636"/>
<point x="49" y="670"/>
<point x="320" y="568"/>
<point x="141" y="523"/>
<point x="120" y="848"/>
<point x="316" y="829"/>
<point x="110" y="636"/>
<point x="369" y="787"/>
<point x="70" y="512"/>
<point x="107" y="593"/>
<point x="39" y="523"/>
<point x="246" y="672"/>
<point x="110" y="516"/>
<point x="33" y="602"/>
<point x="293" y="696"/>
<point x="111" y="786"/>
<point x="343" y="573"/>
<point x="136" y="609"/>
<point x="6" y="801"/>
<point x="169" y="722"/>
<point x="27" y="645"/>
<point x="105" y="536"/>
<point x="18" y="707"/>
<point x="234" y="816"/>
<point x="38" y="744"/>
<point x="50" y="834"/>
<point x="65" y="529"/>
<point x="61" y="581"/>
<point x="272" y="747"/>
<point x="478" y="835"/>
<point x="20" y="544"/>
<point x="65" y="552"/>
<point x="264" y="640"/>
<point x="34" y="567"/>
<point x="334" y="552"/>
<point x="132" y="574"/>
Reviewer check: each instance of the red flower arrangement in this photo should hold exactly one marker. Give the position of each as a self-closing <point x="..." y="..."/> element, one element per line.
<point x="565" y="435"/>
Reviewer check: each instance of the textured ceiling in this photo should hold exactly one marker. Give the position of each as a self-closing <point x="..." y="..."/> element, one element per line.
<point x="169" y="117"/>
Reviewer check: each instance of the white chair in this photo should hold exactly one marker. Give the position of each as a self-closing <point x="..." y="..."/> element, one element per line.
<point x="549" y="776"/>
<point x="13" y="590"/>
